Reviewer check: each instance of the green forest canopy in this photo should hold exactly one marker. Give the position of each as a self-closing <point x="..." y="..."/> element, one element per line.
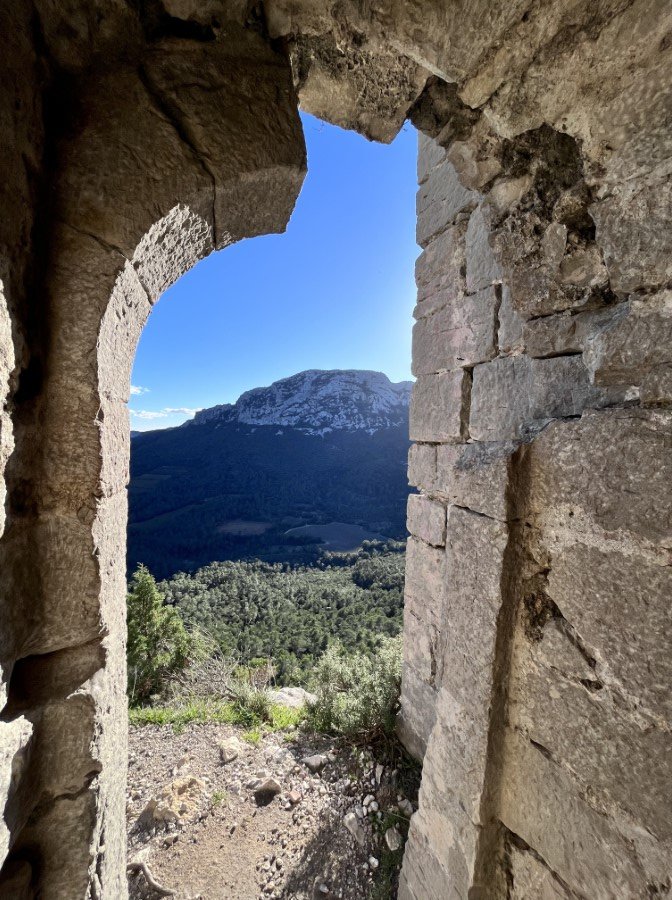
<point x="258" y="610"/>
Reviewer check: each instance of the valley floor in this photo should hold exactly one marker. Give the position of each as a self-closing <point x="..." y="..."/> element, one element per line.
<point x="205" y="832"/>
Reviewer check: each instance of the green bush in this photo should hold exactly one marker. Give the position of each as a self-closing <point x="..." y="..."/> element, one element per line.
<point x="159" y="645"/>
<point x="357" y="695"/>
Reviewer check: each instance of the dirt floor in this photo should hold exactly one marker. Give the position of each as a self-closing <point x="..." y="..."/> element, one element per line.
<point x="216" y="817"/>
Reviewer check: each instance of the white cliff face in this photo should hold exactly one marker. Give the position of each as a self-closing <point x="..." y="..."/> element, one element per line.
<point x="320" y="401"/>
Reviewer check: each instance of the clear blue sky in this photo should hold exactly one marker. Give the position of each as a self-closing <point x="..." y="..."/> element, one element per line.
<point x="336" y="291"/>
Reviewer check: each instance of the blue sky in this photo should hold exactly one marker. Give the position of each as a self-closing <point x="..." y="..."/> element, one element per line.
<point x="336" y="291"/>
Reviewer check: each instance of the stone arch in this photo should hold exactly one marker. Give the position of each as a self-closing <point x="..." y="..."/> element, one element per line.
<point x="142" y="192"/>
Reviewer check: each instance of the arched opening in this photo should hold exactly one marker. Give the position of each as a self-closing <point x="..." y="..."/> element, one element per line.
<point x="345" y="264"/>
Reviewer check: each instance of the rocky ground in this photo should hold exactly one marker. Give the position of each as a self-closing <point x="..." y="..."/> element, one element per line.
<point x="212" y="816"/>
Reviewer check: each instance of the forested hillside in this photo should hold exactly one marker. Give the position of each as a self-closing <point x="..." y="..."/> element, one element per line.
<point x="290" y="614"/>
<point x="314" y="462"/>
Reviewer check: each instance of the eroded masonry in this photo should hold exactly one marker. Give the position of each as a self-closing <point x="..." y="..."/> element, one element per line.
<point x="139" y="136"/>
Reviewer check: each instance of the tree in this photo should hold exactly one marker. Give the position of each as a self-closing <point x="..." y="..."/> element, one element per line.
<point x="158" y="643"/>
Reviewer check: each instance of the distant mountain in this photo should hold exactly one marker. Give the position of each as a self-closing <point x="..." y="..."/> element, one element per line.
<point x="317" y="460"/>
<point x="319" y="402"/>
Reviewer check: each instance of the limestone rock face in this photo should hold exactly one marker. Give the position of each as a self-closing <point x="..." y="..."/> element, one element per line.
<point x="136" y="139"/>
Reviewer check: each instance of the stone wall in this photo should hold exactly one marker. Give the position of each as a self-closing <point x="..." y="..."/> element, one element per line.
<point x="138" y="137"/>
<point x="537" y="619"/>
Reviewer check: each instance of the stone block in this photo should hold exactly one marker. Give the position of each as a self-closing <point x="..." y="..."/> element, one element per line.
<point x="424" y="582"/>
<point x="475" y="547"/>
<point x="514" y="396"/>
<point x="241" y="116"/>
<point x="440" y="407"/>
<point x="618" y="757"/>
<point x="476" y="476"/>
<point x="546" y="275"/>
<point x="557" y="650"/>
<point x="483" y="269"/>
<point x="171" y="247"/>
<point x="631" y="227"/>
<point x="565" y="332"/>
<point x="656" y="387"/>
<point x="100" y="187"/>
<point x="441" y="198"/>
<point x="580" y="472"/>
<point x="629" y="347"/>
<point x="462" y="333"/>
<point x="531" y="880"/>
<point x="418" y="710"/>
<point x="430" y="155"/>
<point x="439" y="272"/>
<point x="621" y="607"/>
<point x="427" y="519"/>
<point x="440" y="856"/>
<point x="14" y="740"/>
<point x="422" y="466"/>
<point x="120" y="329"/>
<point x="540" y="804"/>
<point x="510" y="334"/>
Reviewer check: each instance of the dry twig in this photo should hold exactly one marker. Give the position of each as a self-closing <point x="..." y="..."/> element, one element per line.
<point x="141" y="867"/>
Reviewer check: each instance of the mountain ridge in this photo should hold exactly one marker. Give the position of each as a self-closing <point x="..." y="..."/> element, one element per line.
<point x="318" y="401"/>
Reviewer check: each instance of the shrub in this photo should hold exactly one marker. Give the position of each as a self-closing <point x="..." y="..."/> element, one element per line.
<point x="357" y="695"/>
<point x="158" y="643"/>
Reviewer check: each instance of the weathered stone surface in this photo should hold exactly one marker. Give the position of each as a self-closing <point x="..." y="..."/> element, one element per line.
<point x="482" y="267"/>
<point x="425" y="582"/>
<point x="510" y="333"/>
<point x="422" y="466"/>
<point x="476" y="476"/>
<point x="474" y="166"/>
<point x="475" y="548"/>
<point x="430" y="155"/>
<point x="582" y="471"/>
<point x="423" y="630"/>
<point x="622" y="761"/>
<point x="439" y="272"/>
<point x="418" y="709"/>
<point x="79" y="36"/>
<point x="512" y="396"/>
<point x="355" y="87"/>
<point x="656" y="387"/>
<point x="170" y="248"/>
<point x="638" y="252"/>
<point x="567" y="332"/>
<point x="540" y="804"/>
<point x="7" y="363"/>
<point x="634" y="344"/>
<point x="440" y="200"/>
<point x="620" y="606"/>
<point x="530" y="878"/>
<point x="14" y="738"/>
<point x="460" y="334"/>
<point x="427" y="519"/>
<point x="256" y="157"/>
<point x="440" y="407"/>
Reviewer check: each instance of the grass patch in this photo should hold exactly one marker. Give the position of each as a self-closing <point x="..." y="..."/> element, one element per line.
<point x="218" y="798"/>
<point x="276" y="718"/>
<point x="253" y="736"/>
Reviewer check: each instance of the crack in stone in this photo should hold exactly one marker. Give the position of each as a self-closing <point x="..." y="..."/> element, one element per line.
<point x="172" y="115"/>
<point x="522" y="846"/>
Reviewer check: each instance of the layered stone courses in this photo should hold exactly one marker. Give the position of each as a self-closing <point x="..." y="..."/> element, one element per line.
<point x="550" y="638"/>
<point x="137" y="138"/>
